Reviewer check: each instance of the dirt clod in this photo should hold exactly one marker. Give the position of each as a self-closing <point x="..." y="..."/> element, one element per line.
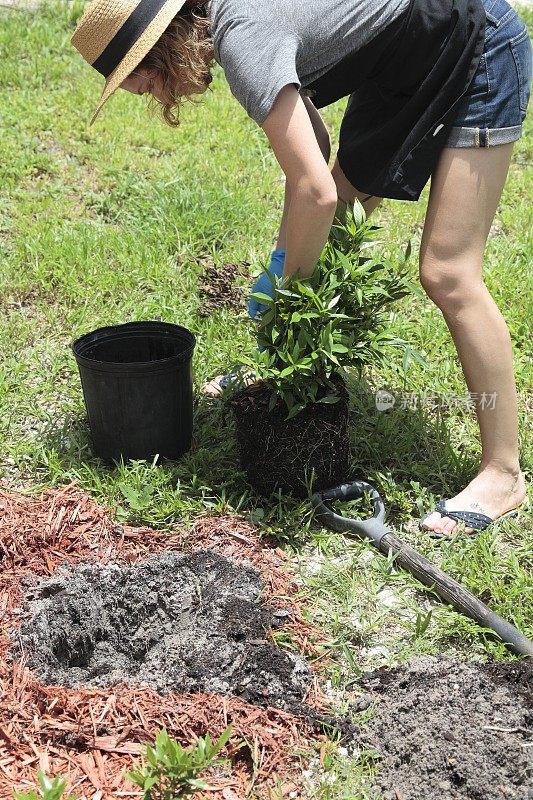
<point x="452" y="731"/>
<point x="175" y="622"/>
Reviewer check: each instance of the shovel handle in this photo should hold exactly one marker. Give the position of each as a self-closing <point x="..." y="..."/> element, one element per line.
<point x="452" y="592"/>
<point x="374" y="528"/>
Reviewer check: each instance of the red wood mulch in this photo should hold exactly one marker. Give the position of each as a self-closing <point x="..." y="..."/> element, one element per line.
<point x="93" y="736"/>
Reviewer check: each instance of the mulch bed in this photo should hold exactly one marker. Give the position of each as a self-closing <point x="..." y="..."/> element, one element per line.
<point x="93" y="736"/>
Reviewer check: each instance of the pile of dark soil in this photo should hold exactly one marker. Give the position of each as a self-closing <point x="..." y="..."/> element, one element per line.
<point x="451" y="731"/>
<point x="218" y="286"/>
<point x="182" y="623"/>
<point x="277" y="453"/>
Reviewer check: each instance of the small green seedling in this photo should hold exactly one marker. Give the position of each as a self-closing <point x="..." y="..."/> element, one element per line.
<point x="422" y="623"/>
<point x="172" y="770"/>
<point x="50" y="789"/>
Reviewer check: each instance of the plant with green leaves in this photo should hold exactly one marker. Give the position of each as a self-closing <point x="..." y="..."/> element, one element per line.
<point x="172" y="770"/>
<point x="312" y="329"/>
<point x="50" y="789"/>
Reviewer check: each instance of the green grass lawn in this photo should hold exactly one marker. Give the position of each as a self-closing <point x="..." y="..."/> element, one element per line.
<point x="105" y="225"/>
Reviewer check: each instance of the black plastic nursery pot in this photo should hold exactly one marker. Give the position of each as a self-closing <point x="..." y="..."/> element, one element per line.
<point x="281" y="454"/>
<point x="138" y="389"/>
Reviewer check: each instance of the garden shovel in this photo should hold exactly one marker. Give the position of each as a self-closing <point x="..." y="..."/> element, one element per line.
<point x="386" y="541"/>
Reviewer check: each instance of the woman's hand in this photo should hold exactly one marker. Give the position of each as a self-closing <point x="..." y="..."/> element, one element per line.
<point x="313" y="194"/>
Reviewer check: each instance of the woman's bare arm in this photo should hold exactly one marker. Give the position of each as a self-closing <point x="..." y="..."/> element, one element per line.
<point x="311" y="189"/>
<point x="322" y="137"/>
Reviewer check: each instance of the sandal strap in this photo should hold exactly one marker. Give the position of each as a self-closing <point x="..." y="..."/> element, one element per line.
<point x="227" y="380"/>
<point x="471" y="518"/>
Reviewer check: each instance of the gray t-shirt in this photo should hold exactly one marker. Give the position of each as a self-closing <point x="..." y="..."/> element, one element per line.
<point x="263" y="45"/>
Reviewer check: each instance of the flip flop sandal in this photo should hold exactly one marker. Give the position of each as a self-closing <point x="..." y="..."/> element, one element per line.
<point x="230" y="381"/>
<point x="471" y="519"/>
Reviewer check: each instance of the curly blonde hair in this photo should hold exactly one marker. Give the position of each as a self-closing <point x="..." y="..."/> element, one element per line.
<point x="183" y="57"/>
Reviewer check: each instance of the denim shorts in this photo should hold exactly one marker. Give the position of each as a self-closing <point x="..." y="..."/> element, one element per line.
<point x="494" y="107"/>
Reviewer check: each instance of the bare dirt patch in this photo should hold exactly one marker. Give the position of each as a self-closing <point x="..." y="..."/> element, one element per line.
<point x="446" y="730"/>
<point x="219" y="287"/>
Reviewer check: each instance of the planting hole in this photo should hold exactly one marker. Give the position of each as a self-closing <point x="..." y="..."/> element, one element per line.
<point x="183" y="623"/>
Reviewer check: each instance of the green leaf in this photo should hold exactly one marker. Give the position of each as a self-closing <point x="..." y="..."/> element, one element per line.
<point x="136" y="776"/>
<point x="295" y="410"/>
<point x="422" y="623"/>
<point x="44" y="781"/>
<point x="51" y="789"/>
<point x="267" y="316"/>
<point x="261" y="297"/>
<point x="223" y="739"/>
<point x="286" y="372"/>
<point x="329" y="399"/>
<point x="151" y="755"/>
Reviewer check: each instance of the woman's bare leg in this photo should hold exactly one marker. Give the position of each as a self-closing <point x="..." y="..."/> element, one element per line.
<point x="347" y="193"/>
<point x="465" y="192"/>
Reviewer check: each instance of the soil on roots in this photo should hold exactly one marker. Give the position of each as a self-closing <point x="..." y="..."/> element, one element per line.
<point x="182" y="623"/>
<point x="280" y="453"/>
<point x="451" y="731"/>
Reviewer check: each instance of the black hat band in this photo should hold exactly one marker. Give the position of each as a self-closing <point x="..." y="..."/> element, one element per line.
<point x="127" y="35"/>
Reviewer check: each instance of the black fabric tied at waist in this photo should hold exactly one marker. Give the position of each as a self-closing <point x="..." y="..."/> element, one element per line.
<point x="404" y="89"/>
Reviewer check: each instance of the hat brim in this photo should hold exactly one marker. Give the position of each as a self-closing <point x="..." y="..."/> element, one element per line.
<point x="140" y="49"/>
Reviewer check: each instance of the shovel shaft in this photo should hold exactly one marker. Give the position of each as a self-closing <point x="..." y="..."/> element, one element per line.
<point x="408" y="558"/>
<point x="453" y="593"/>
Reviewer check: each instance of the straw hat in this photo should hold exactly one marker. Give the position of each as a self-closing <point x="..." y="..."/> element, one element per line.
<point x="114" y="36"/>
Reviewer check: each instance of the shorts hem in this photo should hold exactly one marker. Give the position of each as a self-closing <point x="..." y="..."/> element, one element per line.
<point x="483" y="137"/>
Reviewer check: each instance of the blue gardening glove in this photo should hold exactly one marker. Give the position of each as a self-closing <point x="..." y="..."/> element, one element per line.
<point x="264" y="285"/>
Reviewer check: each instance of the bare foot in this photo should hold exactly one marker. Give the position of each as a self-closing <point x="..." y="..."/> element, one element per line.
<point x="213" y="388"/>
<point x="492" y="492"/>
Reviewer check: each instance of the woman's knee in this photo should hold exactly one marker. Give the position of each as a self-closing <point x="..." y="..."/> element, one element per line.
<point x="450" y="285"/>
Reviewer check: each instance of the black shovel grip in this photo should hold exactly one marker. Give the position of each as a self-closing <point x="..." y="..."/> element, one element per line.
<point x="374" y="528"/>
